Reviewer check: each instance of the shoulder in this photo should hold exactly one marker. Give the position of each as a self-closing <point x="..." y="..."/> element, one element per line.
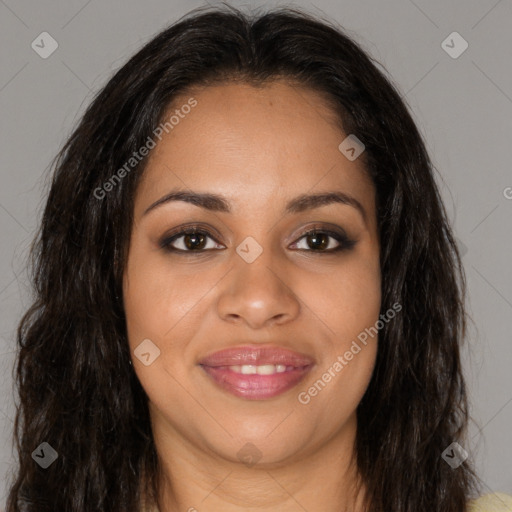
<point x="497" y="502"/>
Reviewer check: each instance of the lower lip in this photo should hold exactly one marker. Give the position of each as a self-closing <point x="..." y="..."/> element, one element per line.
<point x="255" y="387"/>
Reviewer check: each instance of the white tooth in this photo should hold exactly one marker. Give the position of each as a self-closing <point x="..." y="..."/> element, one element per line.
<point x="266" y="369"/>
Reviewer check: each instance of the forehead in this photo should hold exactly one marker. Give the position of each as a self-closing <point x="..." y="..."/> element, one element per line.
<point x="253" y="145"/>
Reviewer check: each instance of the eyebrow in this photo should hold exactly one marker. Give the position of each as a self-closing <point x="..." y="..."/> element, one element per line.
<point x="299" y="204"/>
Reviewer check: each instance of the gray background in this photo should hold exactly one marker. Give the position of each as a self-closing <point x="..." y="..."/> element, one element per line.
<point x="463" y="107"/>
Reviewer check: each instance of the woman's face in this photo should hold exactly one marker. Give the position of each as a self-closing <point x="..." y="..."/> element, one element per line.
<point x="244" y="335"/>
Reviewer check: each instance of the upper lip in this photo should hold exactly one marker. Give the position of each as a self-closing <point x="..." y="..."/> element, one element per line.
<point x="256" y="355"/>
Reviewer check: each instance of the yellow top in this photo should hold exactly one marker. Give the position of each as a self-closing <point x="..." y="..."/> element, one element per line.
<point x="497" y="502"/>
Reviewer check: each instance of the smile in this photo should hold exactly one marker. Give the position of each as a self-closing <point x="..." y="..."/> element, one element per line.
<point x="260" y="382"/>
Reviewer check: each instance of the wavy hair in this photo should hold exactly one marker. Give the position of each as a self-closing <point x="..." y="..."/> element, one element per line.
<point x="77" y="390"/>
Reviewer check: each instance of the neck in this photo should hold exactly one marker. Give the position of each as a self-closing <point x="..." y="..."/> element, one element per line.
<point x="324" y="478"/>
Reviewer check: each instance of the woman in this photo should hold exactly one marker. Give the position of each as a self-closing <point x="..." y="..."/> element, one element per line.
<point x="248" y="293"/>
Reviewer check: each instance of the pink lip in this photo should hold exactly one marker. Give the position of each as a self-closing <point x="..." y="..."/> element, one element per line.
<point x="250" y="354"/>
<point x="256" y="387"/>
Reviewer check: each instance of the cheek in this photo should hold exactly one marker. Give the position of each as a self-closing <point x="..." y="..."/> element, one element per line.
<point x="347" y="299"/>
<point x="355" y="301"/>
<point x="355" y="308"/>
<point x="157" y="296"/>
<point x="346" y="304"/>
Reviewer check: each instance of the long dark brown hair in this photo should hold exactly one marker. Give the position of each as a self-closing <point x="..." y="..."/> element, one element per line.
<point x="77" y="390"/>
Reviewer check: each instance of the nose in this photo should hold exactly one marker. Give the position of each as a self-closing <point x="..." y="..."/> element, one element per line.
<point x="258" y="293"/>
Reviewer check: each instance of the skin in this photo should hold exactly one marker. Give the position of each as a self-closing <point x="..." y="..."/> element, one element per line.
<point x="259" y="148"/>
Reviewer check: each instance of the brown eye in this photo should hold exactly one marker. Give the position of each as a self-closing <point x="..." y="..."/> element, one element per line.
<point x="317" y="240"/>
<point x="324" y="241"/>
<point x="194" y="241"/>
<point x="188" y="241"/>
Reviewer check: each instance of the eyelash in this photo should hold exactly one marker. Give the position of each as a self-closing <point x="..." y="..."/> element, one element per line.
<point x="344" y="242"/>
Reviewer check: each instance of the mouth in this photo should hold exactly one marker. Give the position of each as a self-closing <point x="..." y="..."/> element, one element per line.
<point x="256" y="373"/>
